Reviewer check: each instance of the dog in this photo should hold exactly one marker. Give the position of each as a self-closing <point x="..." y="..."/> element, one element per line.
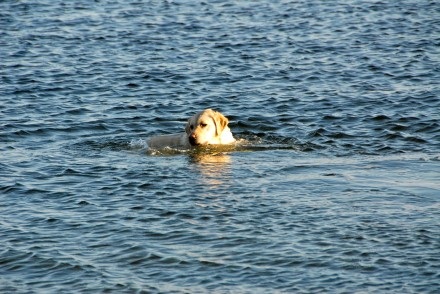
<point x="207" y="127"/>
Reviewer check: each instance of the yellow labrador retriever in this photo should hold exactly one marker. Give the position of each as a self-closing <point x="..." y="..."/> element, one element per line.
<point x="208" y="127"/>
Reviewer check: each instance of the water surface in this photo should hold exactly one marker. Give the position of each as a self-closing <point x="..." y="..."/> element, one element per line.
<point x="337" y="189"/>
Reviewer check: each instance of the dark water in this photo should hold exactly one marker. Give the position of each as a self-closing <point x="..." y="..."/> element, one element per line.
<point x="336" y="190"/>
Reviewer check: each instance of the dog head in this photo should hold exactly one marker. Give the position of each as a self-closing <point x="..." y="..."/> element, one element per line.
<point x="206" y="127"/>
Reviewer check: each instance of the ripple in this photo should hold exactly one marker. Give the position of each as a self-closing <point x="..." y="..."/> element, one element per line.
<point x="332" y="187"/>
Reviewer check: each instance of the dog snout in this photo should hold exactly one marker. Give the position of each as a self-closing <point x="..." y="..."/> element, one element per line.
<point x="192" y="139"/>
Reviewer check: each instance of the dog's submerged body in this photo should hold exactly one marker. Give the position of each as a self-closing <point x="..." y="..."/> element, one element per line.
<point x="208" y="127"/>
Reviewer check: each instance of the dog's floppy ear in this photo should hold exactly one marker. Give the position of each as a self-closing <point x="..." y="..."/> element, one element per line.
<point x="220" y="122"/>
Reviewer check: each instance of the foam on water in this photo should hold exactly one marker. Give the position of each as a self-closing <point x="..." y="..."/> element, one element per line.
<point x="138" y="144"/>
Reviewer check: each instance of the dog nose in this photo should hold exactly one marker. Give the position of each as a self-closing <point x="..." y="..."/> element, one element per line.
<point x="192" y="139"/>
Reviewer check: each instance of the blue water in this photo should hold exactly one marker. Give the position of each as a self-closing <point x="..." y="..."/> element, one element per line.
<point x="336" y="189"/>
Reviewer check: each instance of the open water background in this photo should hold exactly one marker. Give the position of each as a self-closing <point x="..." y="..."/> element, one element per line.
<point x="336" y="190"/>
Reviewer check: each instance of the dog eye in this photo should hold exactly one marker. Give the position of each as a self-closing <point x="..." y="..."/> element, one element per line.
<point x="191" y="127"/>
<point x="203" y="125"/>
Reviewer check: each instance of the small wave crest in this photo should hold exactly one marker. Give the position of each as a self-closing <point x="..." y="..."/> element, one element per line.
<point x="138" y="144"/>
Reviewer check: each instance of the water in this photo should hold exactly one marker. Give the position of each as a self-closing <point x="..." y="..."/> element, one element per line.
<point x="336" y="190"/>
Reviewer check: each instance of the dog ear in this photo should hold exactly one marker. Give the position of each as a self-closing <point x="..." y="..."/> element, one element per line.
<point x="220" y="122"/>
